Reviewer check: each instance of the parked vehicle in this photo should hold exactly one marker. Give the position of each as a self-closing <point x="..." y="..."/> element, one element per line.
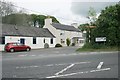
<point x="12" y="47"/>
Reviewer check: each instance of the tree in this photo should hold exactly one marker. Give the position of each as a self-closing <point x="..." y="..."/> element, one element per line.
<point x="39" y="20"/>
<point x="6" y="8"/>
<point x="83" y="27"/>
<point x="92" y="16"/>
<point x="17" y="19"/>
<point x="108" y="25"/>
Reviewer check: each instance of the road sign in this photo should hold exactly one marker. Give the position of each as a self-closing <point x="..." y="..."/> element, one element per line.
<point x="100" y="39"/>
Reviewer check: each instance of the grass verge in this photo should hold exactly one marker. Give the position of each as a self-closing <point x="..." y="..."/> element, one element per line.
<point x="97" y="48"/>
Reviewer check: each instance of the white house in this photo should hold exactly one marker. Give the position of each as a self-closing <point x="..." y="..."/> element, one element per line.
<point x="62" y="32"/>
<point x="32" y="36"/>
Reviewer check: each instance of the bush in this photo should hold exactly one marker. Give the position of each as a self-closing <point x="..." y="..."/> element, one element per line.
<point x="73" y="44"/>
<point x="87" y="45"/>
<point x="94" y="46"/>
<point x="58" y="45"/>
<point x="68" y="42"/>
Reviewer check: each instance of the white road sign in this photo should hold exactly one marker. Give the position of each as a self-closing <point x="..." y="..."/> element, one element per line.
<point x="100" y="39"/>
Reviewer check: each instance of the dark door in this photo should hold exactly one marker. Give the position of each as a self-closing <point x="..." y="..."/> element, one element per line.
<point x="22" y="41"/>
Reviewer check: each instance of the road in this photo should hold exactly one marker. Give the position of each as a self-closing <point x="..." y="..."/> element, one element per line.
<point x="60" y="63"/>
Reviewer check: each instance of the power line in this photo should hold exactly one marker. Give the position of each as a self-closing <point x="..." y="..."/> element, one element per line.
<point x="37" y="11"/>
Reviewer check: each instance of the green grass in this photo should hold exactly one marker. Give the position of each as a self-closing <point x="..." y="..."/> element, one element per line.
<point x="94" y="48"/>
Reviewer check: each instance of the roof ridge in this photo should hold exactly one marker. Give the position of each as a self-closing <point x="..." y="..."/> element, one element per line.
<point x="64" y="24"/>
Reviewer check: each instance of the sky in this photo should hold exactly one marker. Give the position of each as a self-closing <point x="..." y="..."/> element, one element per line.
<point x="66" y="11"/>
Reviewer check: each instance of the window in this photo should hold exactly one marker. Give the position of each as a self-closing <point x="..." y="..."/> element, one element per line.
<point x="34" y="40"/>
<point x="81" y="41"/>
<point x="51" y="41"/>
<point x="44" y="40"/>
<point x="62" y="33"/>
<point x="2" y="40"/>
<point x="62" y="41"/>
<point x="22" y="41"/>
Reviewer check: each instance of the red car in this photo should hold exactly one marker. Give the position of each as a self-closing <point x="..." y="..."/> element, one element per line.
<point x="11" y="47"/>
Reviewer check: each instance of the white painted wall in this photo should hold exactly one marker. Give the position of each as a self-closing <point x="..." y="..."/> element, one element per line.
<point x="29" y="41"/>
<point x="2" y="47"/>
<point x="48" y="25"/>
<point x="67" y="34"/>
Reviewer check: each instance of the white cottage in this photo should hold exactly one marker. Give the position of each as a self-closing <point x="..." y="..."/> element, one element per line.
<point x="32" y="36"/>
<point x="62" y="32"/>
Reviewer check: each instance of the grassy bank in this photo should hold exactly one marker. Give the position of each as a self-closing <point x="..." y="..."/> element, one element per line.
<point x="94" y="48"/>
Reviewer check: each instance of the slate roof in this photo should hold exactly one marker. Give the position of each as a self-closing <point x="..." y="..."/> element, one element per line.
<point x="65" y="27"/>
<point x="13" y="30"/>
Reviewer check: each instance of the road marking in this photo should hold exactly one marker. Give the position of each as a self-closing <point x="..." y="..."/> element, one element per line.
<point x="65" y="69"/>
<point x="56" y="76"/>
<point x="24" y="67"/>
<point x="100" y="70"/>
<point x="49" y="65"/>
<point x="100" y="65"/>
<point x="66" y="63"/>
<point x="22" y="55"/>
<point x="32" y="55"/>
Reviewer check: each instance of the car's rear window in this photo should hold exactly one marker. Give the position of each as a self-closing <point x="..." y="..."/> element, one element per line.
<point x="14" y="44"/>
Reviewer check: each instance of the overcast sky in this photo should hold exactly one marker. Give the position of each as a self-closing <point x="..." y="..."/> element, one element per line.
<point x="66" y="11"/>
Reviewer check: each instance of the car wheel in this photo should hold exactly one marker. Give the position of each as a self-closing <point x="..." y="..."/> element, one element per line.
<point x="12" y="50"/>
<point x="28" y="49"/>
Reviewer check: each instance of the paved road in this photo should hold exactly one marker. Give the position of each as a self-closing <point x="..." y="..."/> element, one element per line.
<point x="60" y="63"/>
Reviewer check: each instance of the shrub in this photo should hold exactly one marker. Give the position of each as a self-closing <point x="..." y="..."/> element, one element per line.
<point x="73" y="44"/>
<point x="94" y="46"/>
<point x="58" y="45"/>
<point x="87" y="46"/>
<point x="68" y="42"/>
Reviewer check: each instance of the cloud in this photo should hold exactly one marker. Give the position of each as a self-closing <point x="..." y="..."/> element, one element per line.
<point x="82" y="8"/>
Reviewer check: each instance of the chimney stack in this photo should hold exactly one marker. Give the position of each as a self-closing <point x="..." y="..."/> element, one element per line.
<point x="75" y="25"/>
<point x="48" y="21"/>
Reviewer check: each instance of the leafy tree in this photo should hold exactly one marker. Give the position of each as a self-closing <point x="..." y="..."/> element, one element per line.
<point x="26" y="19"/>
<point x="34" y="19"/>
<point x="40" y="20"/>
<point x="83" y="27"/>
<point x="108" y="25"/>
<point x="54" y="19"/>
<point x="17" y="19"/>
